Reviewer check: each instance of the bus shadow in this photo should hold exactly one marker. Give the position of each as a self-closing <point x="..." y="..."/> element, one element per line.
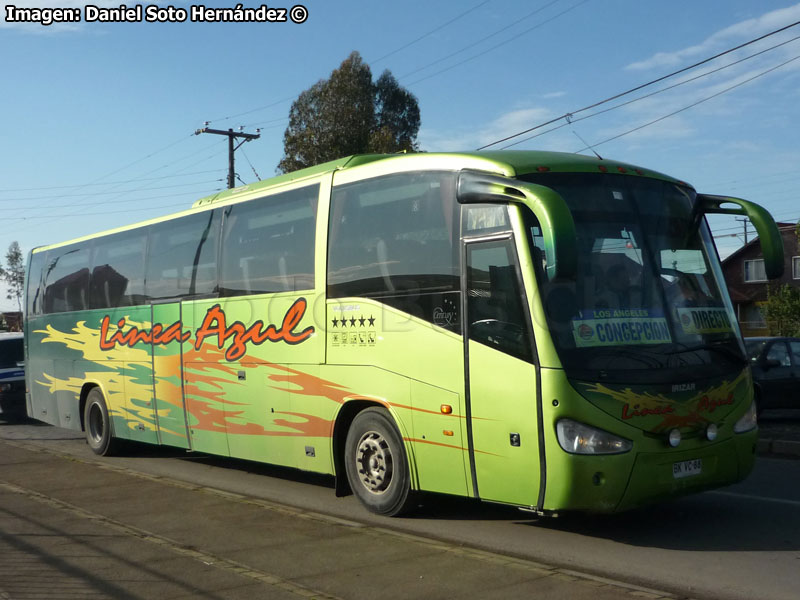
<point x="130" y="449"/>
<point x="707" y="522"/>
<point x="703" y="523"/>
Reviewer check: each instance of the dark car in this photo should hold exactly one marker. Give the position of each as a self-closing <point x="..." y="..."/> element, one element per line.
<point x="776" y="371"/>
<point x="12" y="376"/>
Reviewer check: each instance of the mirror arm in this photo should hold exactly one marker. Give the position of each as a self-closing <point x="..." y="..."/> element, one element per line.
<point x="768" y="233"/>
<point x="555" y="218"/>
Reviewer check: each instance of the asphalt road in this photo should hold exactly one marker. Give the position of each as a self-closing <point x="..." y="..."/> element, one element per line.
<point x="742" y="542"/>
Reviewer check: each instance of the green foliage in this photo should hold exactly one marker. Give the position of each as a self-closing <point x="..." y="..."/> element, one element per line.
<point x="14" y="273"/>
<point x="782" y="310"/>
<point x="349" y="114"/>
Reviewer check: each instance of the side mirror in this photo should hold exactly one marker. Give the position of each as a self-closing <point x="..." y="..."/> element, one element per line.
<point x="769" y="363"/>
<point x="768" y="234"/>
<point x="555" y="218"/>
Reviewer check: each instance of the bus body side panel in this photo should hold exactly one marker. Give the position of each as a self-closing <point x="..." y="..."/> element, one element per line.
<point x="414" y="368"/>
<point x="249" y="372"/>
<point x="70" y="354"/>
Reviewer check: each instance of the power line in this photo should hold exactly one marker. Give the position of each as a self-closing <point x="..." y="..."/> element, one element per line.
<point x="83" y="185"/>
<point x="112" y="212"/>
<point x="692" y="105"/>
<point x="503" y="43"/>
<point x="570" y="120"/>
<point x="247" y="112"/>
<point x="412" y="42"/>
<point x="432" y="31"/>
<point x="105" y="193"/>
<point x="232" y="136"/>
<point x="123" y="192"/>
<point x="639" y="87"/>
<point x="480" y="41"/>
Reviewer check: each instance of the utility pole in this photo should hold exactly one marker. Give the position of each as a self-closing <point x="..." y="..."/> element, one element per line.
<point x="744" y="222"/>
<point x="232" y="136"/>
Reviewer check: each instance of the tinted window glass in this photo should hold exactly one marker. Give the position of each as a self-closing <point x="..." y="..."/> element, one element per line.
<point x="754" y="348"/>
<point x="118" y="270"/>
<point x="494" y="299"/>
<point x="33" y="302"/>
<point x="268" y="244"/>
<point x="67" y="279"/>
<point x="11" y="352"/>
<point x="395" y="239"/>
<point x="779" y="352"/>
<point x="182" y="257"/>
<point x="794" y="348"/>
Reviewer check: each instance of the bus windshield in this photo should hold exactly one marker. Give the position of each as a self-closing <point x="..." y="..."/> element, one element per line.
<point x="649" y="300"/>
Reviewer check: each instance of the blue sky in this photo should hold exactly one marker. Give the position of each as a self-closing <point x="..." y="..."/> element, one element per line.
<point x="98" y="118"/>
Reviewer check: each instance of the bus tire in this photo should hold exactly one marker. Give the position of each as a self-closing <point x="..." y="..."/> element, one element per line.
<point x="96" y="422"/>
<point x="376" y="464"/>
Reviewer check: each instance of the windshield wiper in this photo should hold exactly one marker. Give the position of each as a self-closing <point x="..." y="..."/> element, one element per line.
<point x="719" y="348"/>
<point x="611" y="353"/>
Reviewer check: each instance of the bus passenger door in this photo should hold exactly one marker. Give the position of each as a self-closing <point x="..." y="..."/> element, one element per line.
<point x="501" y="378"/>
<point x="169" y="401"/>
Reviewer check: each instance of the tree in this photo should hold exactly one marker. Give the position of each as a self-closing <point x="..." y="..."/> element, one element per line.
<point x="396" y="115"/>
<point x="14" y="273"/>
<point x="349" y="114"/>
<point x="782" y="310"/>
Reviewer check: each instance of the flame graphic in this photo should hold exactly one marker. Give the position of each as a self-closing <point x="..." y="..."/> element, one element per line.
<point x="200" y="376"/>
<point x="688" y="413"/>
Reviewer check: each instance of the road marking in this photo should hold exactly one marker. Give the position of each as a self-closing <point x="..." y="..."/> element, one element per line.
<point x="758" y="498"/>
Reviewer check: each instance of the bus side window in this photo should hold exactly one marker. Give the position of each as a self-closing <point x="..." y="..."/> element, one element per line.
<point x="394" y="239"/>
<point x="34" y="284"/>
<point x="67" y="279"/>
<point x="182" y="257"/>
<point x="494" y="299"/>
<point x="268" y="244"/>
<point x="118" y="270"/>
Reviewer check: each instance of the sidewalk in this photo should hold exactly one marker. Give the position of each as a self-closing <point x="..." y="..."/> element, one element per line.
<point x="69" y="528"/>
<point x="779" y="433"/>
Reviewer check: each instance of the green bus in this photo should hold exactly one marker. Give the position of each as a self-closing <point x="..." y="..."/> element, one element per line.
<point x="545" y="330"/>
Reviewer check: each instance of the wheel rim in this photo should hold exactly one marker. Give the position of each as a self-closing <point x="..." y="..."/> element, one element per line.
<point x="96" y="424"/>
<point x="374" y="462"/>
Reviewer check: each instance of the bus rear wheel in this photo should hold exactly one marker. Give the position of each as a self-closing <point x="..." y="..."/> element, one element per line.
<point x="376" y="463"/>
<point x="96" y="422"/>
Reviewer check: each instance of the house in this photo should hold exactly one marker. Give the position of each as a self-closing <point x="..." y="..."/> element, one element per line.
<point x="11" y="321"/>
<point x="747" y="281"/>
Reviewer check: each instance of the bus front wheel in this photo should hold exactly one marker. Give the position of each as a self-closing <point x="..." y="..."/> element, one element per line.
<point x="376" y="463"/>
<point x="97" y="424"/>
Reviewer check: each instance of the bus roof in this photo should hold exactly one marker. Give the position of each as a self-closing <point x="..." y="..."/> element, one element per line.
<point x="507" y="162"/>
<point x="503" y="162"/>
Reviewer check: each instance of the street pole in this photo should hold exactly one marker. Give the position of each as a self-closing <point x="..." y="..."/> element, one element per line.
<point x="744" y="222"/>
<point x="232" y="136"/>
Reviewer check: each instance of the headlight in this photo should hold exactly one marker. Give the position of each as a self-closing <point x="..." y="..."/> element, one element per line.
<point x="577" y="438"/>
<point x="749" y="420"/>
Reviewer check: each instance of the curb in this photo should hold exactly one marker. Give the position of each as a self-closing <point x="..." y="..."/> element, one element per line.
<point x="778" y="448"/>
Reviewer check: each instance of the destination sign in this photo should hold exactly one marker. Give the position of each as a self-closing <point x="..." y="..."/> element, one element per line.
<point x="704" y="320"/>
<point x="619" y="327"/>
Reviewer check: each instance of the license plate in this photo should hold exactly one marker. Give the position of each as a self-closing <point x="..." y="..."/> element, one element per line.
<point x="687" y="468"/>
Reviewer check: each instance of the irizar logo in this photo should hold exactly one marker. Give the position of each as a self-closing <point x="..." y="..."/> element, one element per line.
<point x="683" y="387"/>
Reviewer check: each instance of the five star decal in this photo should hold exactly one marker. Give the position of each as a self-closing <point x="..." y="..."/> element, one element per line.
<point x="362" y="321"/>
<point x="354" y="330"/>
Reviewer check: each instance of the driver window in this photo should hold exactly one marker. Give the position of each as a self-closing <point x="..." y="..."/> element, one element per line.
<point x="494" y="299"/>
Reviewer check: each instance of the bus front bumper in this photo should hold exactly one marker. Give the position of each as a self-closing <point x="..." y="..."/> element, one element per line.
<point x="660" y="476"/>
